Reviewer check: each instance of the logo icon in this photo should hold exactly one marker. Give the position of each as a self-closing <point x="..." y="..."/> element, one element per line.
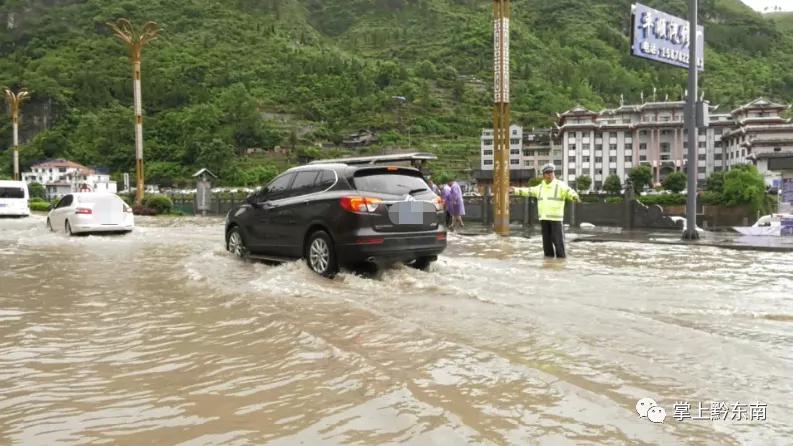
<point x="648" y="408"/>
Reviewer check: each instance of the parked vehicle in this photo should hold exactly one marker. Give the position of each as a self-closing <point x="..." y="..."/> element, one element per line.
<point x="338" y="214"/>
<point x="14" y="198"/>
<point x="87" y="212"/>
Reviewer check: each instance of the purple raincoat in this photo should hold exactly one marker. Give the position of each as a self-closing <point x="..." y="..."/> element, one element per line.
<point x="455" y="203"/>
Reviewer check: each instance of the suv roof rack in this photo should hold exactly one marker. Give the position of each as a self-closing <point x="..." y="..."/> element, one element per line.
<point x="413" y="158"/>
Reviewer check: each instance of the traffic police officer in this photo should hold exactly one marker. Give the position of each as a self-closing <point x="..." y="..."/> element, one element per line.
<point x="551" y="195"/>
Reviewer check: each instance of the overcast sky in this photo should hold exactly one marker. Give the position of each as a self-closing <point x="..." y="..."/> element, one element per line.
<point x="760" y="5"/>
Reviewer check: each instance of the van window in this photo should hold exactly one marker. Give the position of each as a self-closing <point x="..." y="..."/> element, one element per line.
<point x="12" y="192"/>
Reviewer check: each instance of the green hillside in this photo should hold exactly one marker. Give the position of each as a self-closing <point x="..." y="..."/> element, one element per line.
<point x="225" y="76"/>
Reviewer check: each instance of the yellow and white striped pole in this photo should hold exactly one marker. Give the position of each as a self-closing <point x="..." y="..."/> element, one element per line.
<point x="14" y="103"/>
<point x="138" y="132"/>
<point x="501" y="115"/>
<point x="135" y="40"/>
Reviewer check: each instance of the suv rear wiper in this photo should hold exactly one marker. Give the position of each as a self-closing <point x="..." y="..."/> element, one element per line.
<point x="415" y="191"/>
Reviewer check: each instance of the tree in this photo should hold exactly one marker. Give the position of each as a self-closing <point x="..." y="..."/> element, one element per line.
<point x="641" y="176"/>
<point x="743" y="184"/>
<point x="613" y="184"/>
<point x="583" y="183"/>
<point x="675" y="182"/>
<point x="715" y="182"/>
<point x="36" y="190"/>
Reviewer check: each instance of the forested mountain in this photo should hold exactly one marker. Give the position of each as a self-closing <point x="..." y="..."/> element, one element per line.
<point x="228" y="75"/>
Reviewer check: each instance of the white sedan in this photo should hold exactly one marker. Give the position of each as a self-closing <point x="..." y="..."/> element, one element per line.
<point x="86" y="212"/>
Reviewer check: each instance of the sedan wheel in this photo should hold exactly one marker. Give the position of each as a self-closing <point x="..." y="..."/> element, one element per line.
<point x="49" y="225"/>
<point x="321" y="257"/>
<point x="236" y="245"/>
<point x="68" y="228"/>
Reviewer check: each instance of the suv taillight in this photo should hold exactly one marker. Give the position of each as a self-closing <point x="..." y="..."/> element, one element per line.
<point x="83" y="211"/>
<point x="360" y="204"/>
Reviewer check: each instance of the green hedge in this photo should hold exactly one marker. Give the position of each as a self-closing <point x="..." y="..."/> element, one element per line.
<point x="41" y="206"/>
<point x="613" y="200"/>
<point x="665" y="199"/>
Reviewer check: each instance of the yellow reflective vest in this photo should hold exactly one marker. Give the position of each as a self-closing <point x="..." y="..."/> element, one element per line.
<point x="550" y="198"/>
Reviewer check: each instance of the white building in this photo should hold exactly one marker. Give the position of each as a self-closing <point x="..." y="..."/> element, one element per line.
<point x="759" y="136"/>
<point x="61" y="177"/>
<point x="528" y="151"/>
<point x="613" y="141"/>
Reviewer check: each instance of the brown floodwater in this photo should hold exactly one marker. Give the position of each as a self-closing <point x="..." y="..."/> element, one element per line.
<point x="161" y="337"/>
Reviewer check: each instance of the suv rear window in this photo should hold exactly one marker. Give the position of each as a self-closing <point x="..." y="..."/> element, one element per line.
<point x="389" y="182"/>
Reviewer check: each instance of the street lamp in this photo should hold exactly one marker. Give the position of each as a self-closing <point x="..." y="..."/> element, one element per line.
<point x="402" y="101"/>
<point x="14" y="101"/>
<point x="135" y="39"/>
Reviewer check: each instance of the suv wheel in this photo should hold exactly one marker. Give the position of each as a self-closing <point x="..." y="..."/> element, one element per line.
<point x="321" y="255"/>
<point x="423" y="263"/>
<point x="236" y="245"/>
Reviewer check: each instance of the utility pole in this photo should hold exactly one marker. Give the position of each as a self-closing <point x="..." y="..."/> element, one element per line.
<point x="14" y="101"/>
<point x="691" y="124"/>
<point x="501" y="118"/>
<point x="135" y="39"/>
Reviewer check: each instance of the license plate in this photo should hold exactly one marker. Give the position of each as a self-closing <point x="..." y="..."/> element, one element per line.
<point x="411" y="213"/>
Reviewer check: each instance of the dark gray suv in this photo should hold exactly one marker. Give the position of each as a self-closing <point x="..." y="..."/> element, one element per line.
<point x="336" y="215"/>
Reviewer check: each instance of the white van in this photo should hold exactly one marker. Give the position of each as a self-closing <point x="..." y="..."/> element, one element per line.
<point x="14" y="198"/>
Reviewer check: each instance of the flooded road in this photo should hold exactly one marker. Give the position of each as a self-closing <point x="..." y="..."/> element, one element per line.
<point x="161" y="337"/>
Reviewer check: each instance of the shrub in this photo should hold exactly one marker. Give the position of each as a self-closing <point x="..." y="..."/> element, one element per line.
<point x="613" y="200"/>
<point x="143" y="210"/>
<point x="668" y="199"/>
<point x="160" y="204"/>
<point x="675" y="182"/>
<point x="41" y="206"/>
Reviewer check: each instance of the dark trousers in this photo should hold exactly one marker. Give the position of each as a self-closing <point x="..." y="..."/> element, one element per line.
<point x="552" y="238"/>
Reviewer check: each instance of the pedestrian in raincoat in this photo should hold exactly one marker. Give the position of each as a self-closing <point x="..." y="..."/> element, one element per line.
<point x="551" y="195"/>
<point x="456" y="207"/>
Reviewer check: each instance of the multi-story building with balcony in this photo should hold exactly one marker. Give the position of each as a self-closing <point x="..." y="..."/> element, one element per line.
<point x="528" y="151"/>
<point x="613" y="141"/>
<point x="61" y="177"/>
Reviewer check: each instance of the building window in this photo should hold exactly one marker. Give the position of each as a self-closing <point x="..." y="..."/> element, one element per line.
<point x="598" y="146"/>
<point x="586" y="159"/>
<point x="514" y="152"/>
<point x="514" y="132"/>
<point x="529" y="163"/>
<point x="571" y="159"/>
<point x="571" y="171"/>
<point x="628" y="158"/>
<point x="488" y="152"/>
<point x="612" y="159"/>
<point x="666" y="132"/>
<point x="488" y="142"/>
<point x="586" y="147"/>
<point x="666" y="147"/>
<point x="514" y="141"/>
<point x="701" y="169"/>
<point x="718" y="131"/>
<point x="703" y="131"/>
<point x="628" y="147"/>
<point x="702" y="157"/>
<point x="557" y="162"/>
<point x="514" y="162"/>
<point x="599" y="135"/>
<point x="613" y="134"/>
<point x="612" y="147"/>
<point x="598" y="159"/>
<point x="642" y="157"/>
<point x="777" y="149"/>
<point x="571" y="147"/>
<point x="717" y="156"/>
<point x="702" y="144"/>
<point x="488" y="162"/>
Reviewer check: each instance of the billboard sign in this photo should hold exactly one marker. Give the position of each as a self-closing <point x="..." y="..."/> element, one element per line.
<point x="661" y="37"/>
